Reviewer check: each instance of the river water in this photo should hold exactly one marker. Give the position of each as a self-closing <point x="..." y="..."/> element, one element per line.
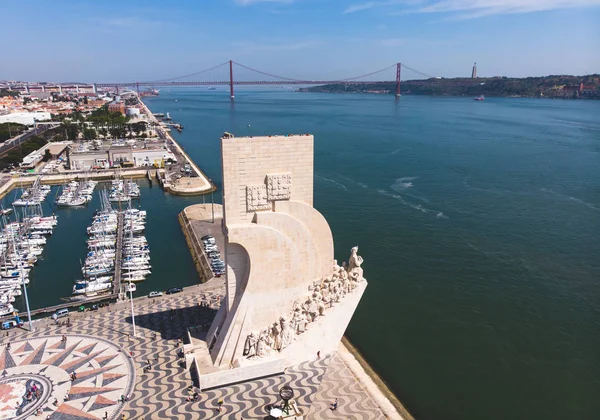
<point x="478" y="223"/>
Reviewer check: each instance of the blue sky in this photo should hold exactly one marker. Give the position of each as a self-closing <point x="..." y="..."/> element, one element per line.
<point x="128" y="40"/>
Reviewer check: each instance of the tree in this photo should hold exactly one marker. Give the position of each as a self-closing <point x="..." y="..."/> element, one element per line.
<point x="47" y="155"/>
<point x="89" y="134"/>
<point x="26" y="100"/>
<point x="85" y="100"/>
<point x="139" y="127"/>
<point x="71" y="129"/>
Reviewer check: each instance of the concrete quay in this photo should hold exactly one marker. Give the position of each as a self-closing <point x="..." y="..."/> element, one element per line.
<point x="199" y="184"/>
<point x="204" y="218"/>
<point x="58" y="179"/>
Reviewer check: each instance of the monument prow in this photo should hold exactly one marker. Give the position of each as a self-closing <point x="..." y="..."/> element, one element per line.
<point x="287" y="299"/>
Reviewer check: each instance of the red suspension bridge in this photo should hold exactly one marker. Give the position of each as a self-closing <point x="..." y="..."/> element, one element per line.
<point x="232" y="73"/>
<point x="272" y="78"/>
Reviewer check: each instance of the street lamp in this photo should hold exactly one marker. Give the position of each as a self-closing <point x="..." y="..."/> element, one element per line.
<point x="212" y="200"/>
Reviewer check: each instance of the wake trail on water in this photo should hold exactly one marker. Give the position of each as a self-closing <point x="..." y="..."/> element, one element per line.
<point x="419" y="207"/>
<point x="570" y="198"/>
<point x="403" y="183"/>
<point x="333" y="181"/>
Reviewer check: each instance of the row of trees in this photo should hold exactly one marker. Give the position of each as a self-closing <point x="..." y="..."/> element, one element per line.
<point x="101" y="122"/>
<point x="16" y="155"/>
<point x="8" y="130"/>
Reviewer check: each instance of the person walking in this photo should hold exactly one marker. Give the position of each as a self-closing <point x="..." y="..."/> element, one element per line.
<point x="334" y="405"/>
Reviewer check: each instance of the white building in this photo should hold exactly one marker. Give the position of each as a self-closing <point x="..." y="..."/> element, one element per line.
<point x="25" y="118"/>
<point x="133" y="112"/>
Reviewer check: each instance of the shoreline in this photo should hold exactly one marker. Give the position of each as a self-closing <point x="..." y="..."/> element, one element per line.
<point x="207" y="187"/>
<point x="385" y="399"/>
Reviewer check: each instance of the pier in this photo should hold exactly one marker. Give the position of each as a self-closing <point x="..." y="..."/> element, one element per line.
<point x="118" y="255"/>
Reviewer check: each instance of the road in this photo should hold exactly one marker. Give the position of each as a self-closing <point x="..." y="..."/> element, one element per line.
<point x="17" y="140"/>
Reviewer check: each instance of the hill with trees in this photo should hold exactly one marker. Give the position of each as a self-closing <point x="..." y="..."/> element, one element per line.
<point x="547" y="86"/>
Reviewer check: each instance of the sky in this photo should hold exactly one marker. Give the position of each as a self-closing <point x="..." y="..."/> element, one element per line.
<point x="128" y="40"/>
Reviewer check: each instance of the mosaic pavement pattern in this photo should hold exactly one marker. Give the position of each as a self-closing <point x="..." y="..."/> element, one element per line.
<point x="160" y="393"/>
<point x="103" y="374"/>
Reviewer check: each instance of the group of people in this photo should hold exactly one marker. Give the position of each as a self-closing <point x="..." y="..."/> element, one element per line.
<point x="33" y="393"/>
<point x="193" y="394"/>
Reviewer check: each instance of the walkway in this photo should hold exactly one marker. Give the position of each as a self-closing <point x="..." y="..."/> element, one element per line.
<point x="161" y="392"/>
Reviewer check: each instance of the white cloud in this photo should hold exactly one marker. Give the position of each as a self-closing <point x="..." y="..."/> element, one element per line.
<point x="468" y="9"/>
<point x="382" y="27"/>
<point x="372" y="4"/>
<point x="358" y="7"/>
<point x="478" y="8"/>
<point x="249" y="2"/>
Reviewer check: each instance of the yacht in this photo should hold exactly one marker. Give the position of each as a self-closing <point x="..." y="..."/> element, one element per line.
<point x="6" y="309"/>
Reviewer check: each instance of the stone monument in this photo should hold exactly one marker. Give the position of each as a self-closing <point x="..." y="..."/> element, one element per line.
<point x="286" y="297"/>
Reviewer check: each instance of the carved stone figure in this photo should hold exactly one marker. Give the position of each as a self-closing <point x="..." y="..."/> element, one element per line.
<point x="355" y="272"/>
<point x="276" y="336"/>
<point x="287" y="333"/>
<point x="313" y="310"/>
<point x="324" y="293"/>
<point x="263" y="348"/>
<point x="250" y="345"/>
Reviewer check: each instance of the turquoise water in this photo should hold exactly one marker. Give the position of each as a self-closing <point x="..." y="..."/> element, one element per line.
<point x="478" y="223"/>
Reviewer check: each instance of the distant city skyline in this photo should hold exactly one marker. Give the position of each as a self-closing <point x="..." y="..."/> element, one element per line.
<point x="113" y="41"/>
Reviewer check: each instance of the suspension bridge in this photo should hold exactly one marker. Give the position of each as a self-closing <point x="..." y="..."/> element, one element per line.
<point x="231" y="73"/>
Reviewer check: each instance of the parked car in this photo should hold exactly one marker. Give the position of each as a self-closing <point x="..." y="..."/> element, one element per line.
<point x="60" y="313"/>
<point x="154" y="294"/>
<point x="173" y="290"/>
<point x="206" y="237"/>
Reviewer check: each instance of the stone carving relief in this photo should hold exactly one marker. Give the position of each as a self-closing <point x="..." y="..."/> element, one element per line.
<point x="256" y="198"/>
<point x="323" y="294"/>
<point x="279" y="186"/>
<point x="276" y="187"/>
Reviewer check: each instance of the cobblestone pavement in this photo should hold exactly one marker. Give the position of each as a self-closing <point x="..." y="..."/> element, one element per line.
<point x="160" y="393"/>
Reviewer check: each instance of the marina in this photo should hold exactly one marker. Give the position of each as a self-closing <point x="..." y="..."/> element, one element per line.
<point x="52" y="280"/>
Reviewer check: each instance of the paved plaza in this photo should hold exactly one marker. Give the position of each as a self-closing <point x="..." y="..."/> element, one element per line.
<point x="109" y="363"/>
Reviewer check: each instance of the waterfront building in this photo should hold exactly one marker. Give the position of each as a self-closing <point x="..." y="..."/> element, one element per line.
<point x="117" y="106"/>
<point x="287" y="300"/>
<point x="100" y="154"/>
<point x="25" y="118"/>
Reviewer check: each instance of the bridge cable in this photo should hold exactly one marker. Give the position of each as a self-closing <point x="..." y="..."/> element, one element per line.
<point x="188" y="75"/>
<point x="301" y="80"/>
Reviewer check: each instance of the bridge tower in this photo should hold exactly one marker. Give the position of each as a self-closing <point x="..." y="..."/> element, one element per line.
<point x="231" y="79"/>
<point x="27" y="87"/>
<point x="137" y="87"/>
<point x="398" y="72"/>
<point x="95" y="88"/>
<point x="60" y="89"/>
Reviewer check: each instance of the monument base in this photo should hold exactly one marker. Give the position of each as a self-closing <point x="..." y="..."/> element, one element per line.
<point x="321" y="338"/>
